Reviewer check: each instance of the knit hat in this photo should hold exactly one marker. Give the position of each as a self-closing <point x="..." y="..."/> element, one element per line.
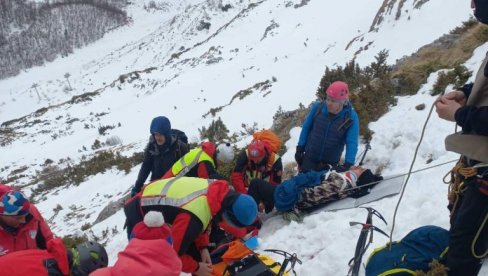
<point x="225" y="153"/>
<point x="152" y="228"/>
<point x="242" y="212"/>
<point x="368" y="177"/>
<point x="338" y="90"/>
<point x="14" y="203"/>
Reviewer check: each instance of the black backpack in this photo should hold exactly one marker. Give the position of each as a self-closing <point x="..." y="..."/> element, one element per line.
<point x="182" y="143"/>
<point x="179" y="135"/>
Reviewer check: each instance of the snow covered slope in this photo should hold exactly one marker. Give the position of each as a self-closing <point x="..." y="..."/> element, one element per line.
<point x="254" y="57"/>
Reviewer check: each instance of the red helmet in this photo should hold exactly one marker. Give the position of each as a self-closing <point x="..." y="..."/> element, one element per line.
<point x="338" y="90"/>
<point x="256" y="150"/>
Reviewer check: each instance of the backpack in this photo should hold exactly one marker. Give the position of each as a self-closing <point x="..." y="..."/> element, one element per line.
<point x="182" y="140"/>
<point x="236" y="259"/>
<point x="270" y="138"/>
<point x="179" y="135"/>
<point x="414" y="252"/>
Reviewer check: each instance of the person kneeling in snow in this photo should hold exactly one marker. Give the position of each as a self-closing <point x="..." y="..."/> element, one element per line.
<point x="308" y="190"/>
<point x="149" y="252"/>
<point x="190" y="204"/>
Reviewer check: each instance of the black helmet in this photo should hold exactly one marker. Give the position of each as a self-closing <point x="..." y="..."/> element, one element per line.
<point x="87" y="257"/>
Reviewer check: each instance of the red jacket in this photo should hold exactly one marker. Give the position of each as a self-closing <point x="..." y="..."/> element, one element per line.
<point x="186" y="227"/>
<point x="215" y="195"/>
<point x="33" y="235"/>
<point x="144" y="258"/>
<point x="32" y="261"/>
<point x="268" y="169"/>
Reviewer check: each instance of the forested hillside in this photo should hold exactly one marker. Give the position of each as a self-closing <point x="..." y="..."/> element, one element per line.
<point x="33" y="33"/>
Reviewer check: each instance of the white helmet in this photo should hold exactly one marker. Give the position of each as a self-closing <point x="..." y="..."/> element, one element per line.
<point x="225" y="153"/>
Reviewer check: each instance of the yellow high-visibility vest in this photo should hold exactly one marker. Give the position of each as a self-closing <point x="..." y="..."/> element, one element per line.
<point x="190" y="160"/>
<point x="189" y="193"/>
<point x="258" y="174"/>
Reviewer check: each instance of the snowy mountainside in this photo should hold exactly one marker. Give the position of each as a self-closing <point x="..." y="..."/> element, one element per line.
<point x="254" y="57"/>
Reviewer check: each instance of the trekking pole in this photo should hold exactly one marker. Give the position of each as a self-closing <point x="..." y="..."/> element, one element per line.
<point x="367" y="147"/>
<point x="361" y="246"/>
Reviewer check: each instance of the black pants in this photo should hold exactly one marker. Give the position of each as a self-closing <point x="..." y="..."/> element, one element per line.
<point x="262" y="191"/>
<point x="310" y="165"/>
<point x="465" y="223"/>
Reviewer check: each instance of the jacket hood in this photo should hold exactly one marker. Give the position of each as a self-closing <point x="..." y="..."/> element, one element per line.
<point x="217" y="191"/>
<point x="209" y="148"/>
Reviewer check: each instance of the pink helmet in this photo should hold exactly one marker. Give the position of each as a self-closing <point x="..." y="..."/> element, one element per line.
<point x="338" y="90"/>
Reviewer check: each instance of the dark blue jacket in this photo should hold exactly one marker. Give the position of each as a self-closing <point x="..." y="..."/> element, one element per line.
<point x="159" y="159"/>
<point x="287" y="193"/>
<point x="322" y="139"/>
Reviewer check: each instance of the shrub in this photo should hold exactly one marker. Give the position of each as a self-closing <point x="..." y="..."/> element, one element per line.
<point x="216" y="132"/>
<point x="103" y="129"/>
<point x="113" y="141"/>
<point x="72" y="240"/>
<point x="457" y="77"/>
<point x="54" y="176"/>
<point x="371" y="89"/>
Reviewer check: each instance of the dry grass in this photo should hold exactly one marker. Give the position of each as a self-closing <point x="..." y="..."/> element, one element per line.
<point x="447" y="52"/>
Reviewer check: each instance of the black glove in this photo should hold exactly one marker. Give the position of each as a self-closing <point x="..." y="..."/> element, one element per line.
<point x="299" y="155"/>
<point x="341" y="168"/>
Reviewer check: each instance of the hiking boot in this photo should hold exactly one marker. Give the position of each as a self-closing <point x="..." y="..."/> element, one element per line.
<point x="293" y="215"/>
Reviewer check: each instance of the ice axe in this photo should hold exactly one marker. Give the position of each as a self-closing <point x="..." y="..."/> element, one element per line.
<point x="367" y="147"/>
<point x="362" y="246"/>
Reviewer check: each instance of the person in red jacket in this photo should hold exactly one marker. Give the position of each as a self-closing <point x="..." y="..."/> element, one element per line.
<point x="149" y="252"/>
<point x="202" y="162"/>
<point x="21" y="225"/>
<point x="256" y="162"/>
<point x="55" y="261"/>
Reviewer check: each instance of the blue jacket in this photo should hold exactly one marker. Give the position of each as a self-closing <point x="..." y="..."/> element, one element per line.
<point x="287" y="193"/>
<point x="322" y="139"/>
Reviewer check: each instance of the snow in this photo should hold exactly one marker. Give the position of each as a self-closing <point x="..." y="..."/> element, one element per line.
<point x="296" y="53"/>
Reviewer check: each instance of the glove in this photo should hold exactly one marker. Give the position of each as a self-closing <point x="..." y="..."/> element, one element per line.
<point x="134" y="191"/>
<point x="347" y="166"/>
<point x="299" y="155"/>
<point x="342" y="168"/>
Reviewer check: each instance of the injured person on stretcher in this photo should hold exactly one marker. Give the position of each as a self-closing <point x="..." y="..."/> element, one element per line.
<point x="312" y="189"/>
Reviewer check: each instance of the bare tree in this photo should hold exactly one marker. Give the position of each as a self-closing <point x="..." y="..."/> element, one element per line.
<point x="67" y="75"/>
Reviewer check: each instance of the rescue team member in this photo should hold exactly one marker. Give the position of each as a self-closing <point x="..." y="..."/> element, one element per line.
<point x="190" y="204"/>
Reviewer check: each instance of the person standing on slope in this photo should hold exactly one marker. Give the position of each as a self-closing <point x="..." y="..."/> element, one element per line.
<point x="468" y="107"/>
<point x="162" y="151"/>
<point x="328" y="127"/>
